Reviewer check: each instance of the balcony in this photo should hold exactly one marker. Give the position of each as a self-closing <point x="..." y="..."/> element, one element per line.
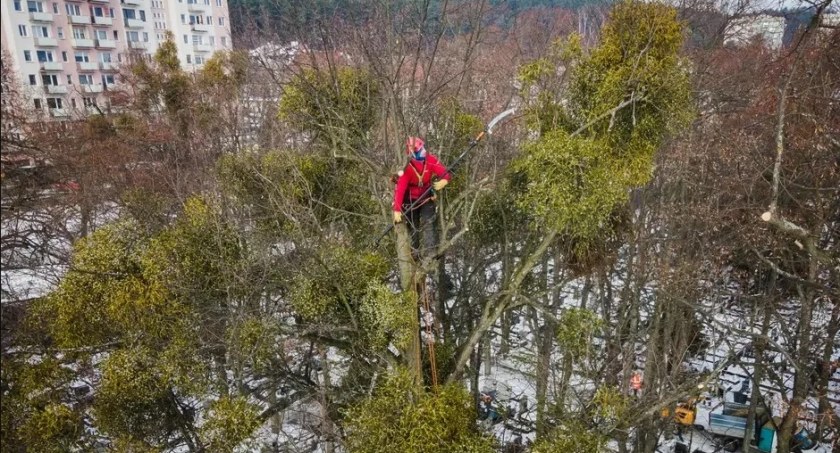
<point x="108" y="66"/>
<point x="195" y="7"/>
<point x="59" y="113"/>
<point x="46" y="42"/>
<point x="200" y="27"/>
<point x="83" y="43"/>
<point x="86" y="66"/>
<point x="56" y="89"/>
<point x="51" y="66"/>
<point x="95" y="88"/>
<point x="138" y="45"/>
<point x="132" y="2"/>
<point x="202" y="48"/>
<point x="134" y="23"/>
<point x="81" y="20"/>
<point x="102" y="20"/>
<point x="41" y="17"/>
<point x="106" y="44"/>
<point x="91" y="110"/>
<point x="100" y="1"/>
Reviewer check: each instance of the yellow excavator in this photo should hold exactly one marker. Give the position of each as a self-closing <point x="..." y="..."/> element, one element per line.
<point x="685" y="412"/>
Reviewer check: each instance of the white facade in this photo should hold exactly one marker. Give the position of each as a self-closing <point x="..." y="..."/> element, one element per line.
<point x="770" y="28"/>
<point x="66" y="53"/>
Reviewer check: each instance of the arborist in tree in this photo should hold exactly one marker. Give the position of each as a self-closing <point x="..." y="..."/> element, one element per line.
<point x="418" y="207"/>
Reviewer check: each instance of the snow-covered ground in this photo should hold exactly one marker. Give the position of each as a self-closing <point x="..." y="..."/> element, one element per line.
<point x="513" y="376"/>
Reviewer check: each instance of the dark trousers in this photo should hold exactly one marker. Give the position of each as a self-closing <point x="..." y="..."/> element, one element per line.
<point x="423" y="228"/>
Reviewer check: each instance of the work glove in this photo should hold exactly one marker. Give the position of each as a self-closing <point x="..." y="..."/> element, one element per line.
<point x="440" y="184"/>
<point x="397" y="216"/>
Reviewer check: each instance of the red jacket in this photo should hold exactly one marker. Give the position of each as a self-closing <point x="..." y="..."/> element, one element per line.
<point x="416" y="178"/>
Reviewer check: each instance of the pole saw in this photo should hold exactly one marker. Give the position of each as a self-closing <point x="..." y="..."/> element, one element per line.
<point x="450" y="169"/>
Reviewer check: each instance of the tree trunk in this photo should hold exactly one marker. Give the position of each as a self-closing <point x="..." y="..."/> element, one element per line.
<point x="504" y="341"/>
<point x="327" y="428"/>
<point x="567" y="366"/>
<point x="544" y="346"/>
<point x="758" y="368"/>
<point x="412" y="357"/>
<point x="802" y="375"/>
<point x="545" y="343"/>
<point x="826" y="414"/>
<point x="487" y="352"/>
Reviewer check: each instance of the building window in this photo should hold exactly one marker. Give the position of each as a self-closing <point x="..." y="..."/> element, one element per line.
<point x="145" y="37"/>
<point x="132" y="36"/>
<point x="17" y="6"/>
<point x="27" y="55"/>
<point x="55" y="8"/>
<point x="218" y="2"/>
<point x="116" y="36"/>
<point x="189" y="58"/>
<point x="85" y="79"/>
<point x="129" y="13"/>
<point x="105" y="57"/>
<point x="79" y="33"/>
<point x="186" y="39"/>
<point x="222" y="21"/>
<point x="73" y="9"/>
<point x="82" y="57"/>
<point x="107" y="79"/>
<point x="32" y="79"/>
<point x="196" y="39"/>
<point x="69" y="80"/>
<point x="64" y="56"/>
<point x="54" y="103"/>
<point x="100" y="34"/>
<point x="60" y="32"/>
<point x="73" y="102"/>
<point x="44" y="55"/>
<point x="112" y="12"/>
<point x="224" y="41"/>
<point x="22" y="30"/>
<point x="49" y="79"/>
<point x="183" y="19"/>
<point x="143" y="15"/>
<point x="89" y="102"/>
<point x="199" y="59"/>
<point x="206" y="2"/>
<point x="37" y="104"/>
<point x="41" y="31"/>
<point x="212" y="41"/>
<point x="35" y="7"/>
<point x="98" y="11"/>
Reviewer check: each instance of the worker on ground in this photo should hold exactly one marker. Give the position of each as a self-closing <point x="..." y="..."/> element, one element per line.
<point x="414" y="202"/>
<point x="636" y="382"/>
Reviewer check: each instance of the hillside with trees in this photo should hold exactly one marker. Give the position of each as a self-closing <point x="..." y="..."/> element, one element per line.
<point x="644" y="247"/>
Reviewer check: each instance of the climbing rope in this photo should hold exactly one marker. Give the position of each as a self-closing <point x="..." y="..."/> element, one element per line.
<point x="429" y="319"/>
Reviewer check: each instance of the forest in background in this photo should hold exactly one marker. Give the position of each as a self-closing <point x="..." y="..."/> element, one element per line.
<point x="217" y="286"/>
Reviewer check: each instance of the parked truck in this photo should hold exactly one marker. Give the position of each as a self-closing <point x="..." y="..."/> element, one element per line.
<point x="731" y="425"/>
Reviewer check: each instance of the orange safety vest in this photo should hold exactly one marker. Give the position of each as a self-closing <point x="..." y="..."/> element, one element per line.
<point x="636" y="381"/>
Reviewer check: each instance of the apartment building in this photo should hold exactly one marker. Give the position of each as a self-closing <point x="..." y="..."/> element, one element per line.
<point x="67" y="53"/>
